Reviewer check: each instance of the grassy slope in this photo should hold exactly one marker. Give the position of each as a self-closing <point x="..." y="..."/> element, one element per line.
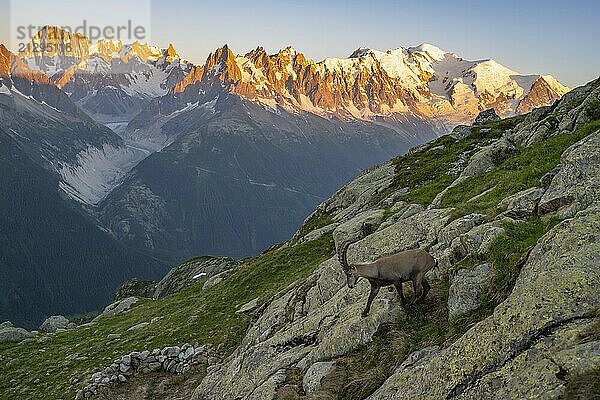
<point x="360" y="373"/>
<point x="192" y="316"/>
<point x="197" y="316"/>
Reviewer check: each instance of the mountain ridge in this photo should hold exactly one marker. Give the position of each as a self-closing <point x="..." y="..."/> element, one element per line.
<point x="509" y="209"/>
<point x="423" y="81"/>
<point x="373" y="83"/>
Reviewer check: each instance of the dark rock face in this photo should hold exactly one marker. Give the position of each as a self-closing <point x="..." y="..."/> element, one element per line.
<point x="486" y="116"/>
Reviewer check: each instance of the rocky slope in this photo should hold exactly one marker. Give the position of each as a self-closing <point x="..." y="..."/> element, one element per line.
<point x="510" y="210"/>
<point x="535" y="332"/>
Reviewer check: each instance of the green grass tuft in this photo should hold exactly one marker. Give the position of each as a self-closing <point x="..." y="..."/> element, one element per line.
<point x="191" y="316"/>
<point x="425" y="171"/>
<point x="521" y="171"/>
<point x="318" y="220"/>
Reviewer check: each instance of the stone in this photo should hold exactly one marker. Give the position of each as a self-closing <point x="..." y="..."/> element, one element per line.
<point x="141" y="325"/>
<point x="486" y="158"/>
<point x="486" y="116"/>
<point x="358" y="226"/>
<point x="190" y="272"/>
<point x="15" y="335"/>
<point x="418" y="358"/>
<point x="577" y="181"/>
<point x="478" y="240"/>
<point x="188" y="353"/>
<point x="249" y="306"/>
<point x="459" y="226"/>
<point x="327" y="325"/>
<point x="465" y="292"/>
<point x="53" y="323"/>
<point x="268" y="389"/>
<point x="461" y="132"/>
<point x="6" y="324"/>
<point x="314" y="375"/>
<point x="418" y="230"/>
<point x="122" y="378"/>
<point x="317" y="233"/>
<point x="522" y="204"/>
<point x="393" y="198"/>
<point x="113" y="336"/>
<point x="355" y="197"/>
<point x="172" y="351"/>
<point x="155" y="366"/>
<point x="118" y="307"/>
<point x="171" y="366"/>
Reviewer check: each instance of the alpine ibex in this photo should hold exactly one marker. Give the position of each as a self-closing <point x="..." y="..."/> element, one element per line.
<point x="409" y="265"/>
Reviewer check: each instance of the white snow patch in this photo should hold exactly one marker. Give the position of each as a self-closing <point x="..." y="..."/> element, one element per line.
<point x="97" y="171"/>
<point x="5" y="90"/>
<point x="200" y="275"/>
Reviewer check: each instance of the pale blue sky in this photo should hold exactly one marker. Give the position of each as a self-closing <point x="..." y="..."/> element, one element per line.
<point x="548" y="37"/>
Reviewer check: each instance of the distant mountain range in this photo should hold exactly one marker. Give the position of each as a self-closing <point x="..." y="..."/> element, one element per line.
<point x="153" y="155"/>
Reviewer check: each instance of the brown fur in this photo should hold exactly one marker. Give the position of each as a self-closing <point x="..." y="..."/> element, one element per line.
<point x="410" y="265"/>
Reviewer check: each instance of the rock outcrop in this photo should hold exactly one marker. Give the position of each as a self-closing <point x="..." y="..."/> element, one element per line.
<point x="531" y="337"/>
<point x="522" y="204"/>
<point x="465" y="292"/>
<point x="10" y="333"/>
<point x="118" y="307"/>
<point x="486" y="116"/>
<point x="577" y="181"/>
<point x="135" y="288"/>
<point x="54" y="323"/>
<point x="190" y="272"/>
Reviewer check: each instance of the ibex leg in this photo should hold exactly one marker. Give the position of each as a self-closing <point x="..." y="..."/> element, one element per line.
<point x="400" y="292"/>
<point x="374" y="291"/>
<point x="426" y="288"/>
<point x="417" y="288"/>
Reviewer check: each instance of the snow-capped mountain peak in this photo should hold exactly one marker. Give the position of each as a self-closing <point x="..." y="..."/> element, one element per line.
<point x="433" y="52"/>
<point x="110" y="80"/>
<point x="420" y="81"/>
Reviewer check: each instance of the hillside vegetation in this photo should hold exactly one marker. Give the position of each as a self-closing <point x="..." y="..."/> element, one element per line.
<point x="491" y="197"/>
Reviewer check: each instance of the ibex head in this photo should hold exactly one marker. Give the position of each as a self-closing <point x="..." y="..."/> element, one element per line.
<point x="349" y="270"/>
